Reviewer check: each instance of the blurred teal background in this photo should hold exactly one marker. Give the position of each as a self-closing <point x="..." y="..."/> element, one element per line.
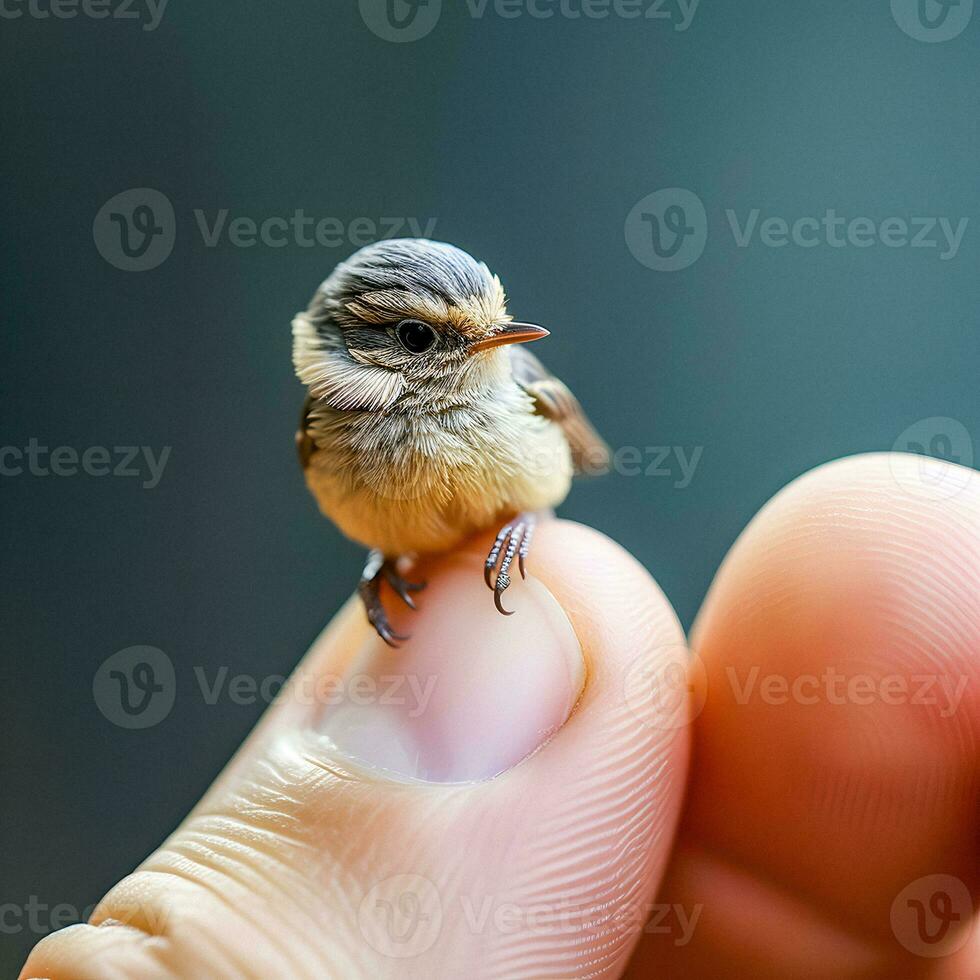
<point x="528" y="141"/>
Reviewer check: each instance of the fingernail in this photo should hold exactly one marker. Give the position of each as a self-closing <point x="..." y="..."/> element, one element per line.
<point x="471" y="694"/>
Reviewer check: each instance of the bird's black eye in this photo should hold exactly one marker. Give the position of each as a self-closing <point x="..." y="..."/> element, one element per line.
<point x="415" y="336"/>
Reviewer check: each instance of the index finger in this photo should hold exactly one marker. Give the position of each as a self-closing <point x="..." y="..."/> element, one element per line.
<point x="831" y="826"/>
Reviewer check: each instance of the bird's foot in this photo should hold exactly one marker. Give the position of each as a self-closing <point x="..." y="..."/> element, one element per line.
<point x="514" y="539"/>
<point x="369" y="589"/>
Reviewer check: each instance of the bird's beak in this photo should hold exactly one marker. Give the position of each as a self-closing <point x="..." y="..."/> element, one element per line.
<point x="511" y="333"/>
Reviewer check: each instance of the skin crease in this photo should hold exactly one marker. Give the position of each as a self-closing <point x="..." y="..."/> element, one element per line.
<point x="801" y="822"/>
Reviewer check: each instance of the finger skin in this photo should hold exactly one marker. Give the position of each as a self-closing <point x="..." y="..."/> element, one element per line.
<point x="811" y="807"/>
<point x="547" y="870"/>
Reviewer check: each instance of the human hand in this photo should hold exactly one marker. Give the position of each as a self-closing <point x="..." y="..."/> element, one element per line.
<point x="820" y="796"/>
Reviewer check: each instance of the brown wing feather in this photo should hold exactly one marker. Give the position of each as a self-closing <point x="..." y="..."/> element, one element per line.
<point x="554" y="401"/>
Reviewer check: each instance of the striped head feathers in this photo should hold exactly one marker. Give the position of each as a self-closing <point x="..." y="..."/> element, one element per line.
<point x="406" y="324"/>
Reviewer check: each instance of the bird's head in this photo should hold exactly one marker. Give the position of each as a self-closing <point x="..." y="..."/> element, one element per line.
<point x="406" y="321"/>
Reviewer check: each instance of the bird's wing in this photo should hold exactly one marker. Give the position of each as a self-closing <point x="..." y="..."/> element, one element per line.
<point x="554" y="401"/>
<point x="305" y="445"/>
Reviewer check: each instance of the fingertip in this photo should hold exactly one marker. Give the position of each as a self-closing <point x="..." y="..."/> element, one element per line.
<point x="471" y="694"/>
<point x="841" y="645"/>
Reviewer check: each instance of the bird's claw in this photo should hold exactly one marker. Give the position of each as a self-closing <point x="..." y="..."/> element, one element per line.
<point x="513" y="540"/>
<point x="503" y="582"/>
<point x="401" y="586"/>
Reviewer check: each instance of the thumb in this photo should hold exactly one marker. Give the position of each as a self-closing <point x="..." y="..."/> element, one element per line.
<point x="497" y="798"/>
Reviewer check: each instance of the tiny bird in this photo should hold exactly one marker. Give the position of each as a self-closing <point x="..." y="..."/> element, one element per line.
<point x="426" y="421"/>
